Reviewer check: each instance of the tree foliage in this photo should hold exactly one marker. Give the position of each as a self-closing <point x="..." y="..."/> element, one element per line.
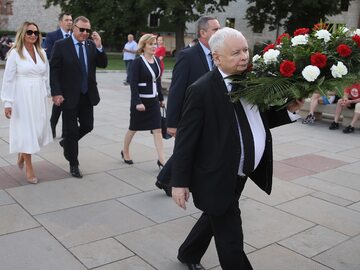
<point x="291" y="14"/>
<point x="119" y="17"/>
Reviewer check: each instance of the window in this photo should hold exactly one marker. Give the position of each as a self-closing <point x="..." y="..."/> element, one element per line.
<point x="230" y="22"/>
<point x="154" y="20"/>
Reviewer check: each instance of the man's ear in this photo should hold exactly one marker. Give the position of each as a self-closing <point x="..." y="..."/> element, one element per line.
<point x="216" y="58"/>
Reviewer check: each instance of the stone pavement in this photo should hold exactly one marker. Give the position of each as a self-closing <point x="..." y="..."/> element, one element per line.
<point x="115" y="219"/>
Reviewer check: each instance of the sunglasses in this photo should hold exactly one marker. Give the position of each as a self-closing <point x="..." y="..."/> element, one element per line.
<point x="30" y="32"/>
<point x="83" y="29"/>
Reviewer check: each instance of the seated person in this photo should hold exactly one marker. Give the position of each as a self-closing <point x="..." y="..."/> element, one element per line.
<point x="351" y="97"/>
<point x="316" y="99"/>
<point x="350" y="128"/>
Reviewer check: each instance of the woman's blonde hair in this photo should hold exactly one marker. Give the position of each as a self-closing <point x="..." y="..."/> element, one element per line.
<point x="143" y="40"/>
<point x="20" y="37"/>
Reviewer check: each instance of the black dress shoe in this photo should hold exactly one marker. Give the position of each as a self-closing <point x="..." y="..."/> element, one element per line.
<point x="165" y="187"/>
<point x="75" y="172"/>
<point x="66" y="153"/>
<point x="191" y="266"/>
<point x="53" y="130"/>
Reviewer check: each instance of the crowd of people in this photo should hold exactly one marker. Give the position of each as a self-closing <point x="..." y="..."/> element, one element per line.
<point x="219" y="145"/>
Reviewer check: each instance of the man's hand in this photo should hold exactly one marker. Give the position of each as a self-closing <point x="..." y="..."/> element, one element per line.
<point x="140" y="107"/>
<point x="296" y="105"/>
<point x="58" y="100"/>
<point x="97" y="39"/>
<point x="7" y="112"/>
<point x="180" y="196"/>
<point x="171" y="131"/>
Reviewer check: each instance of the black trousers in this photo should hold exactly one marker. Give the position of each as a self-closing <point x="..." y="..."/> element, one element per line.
<point x="78" y="122"/>
<point x="227" y="231"/>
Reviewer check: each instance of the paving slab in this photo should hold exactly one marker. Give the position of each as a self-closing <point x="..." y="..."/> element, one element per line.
<point x="133" y="263"/>
<point x="101" y="252"/>
<point x="275" y="257"/>
<point x="331" y="198"/>
<point x="5" y="198"/>
<point x="159" y="244"/>
<point x="14" y="218"/>
<point x="313" y="241"/>
<point x="329" y="215"/>
<point x="341" y="177"/>
<point x="344" y="256"/>
<point x="330" y="188"/>
<point x="157" y="207"/>
<point x="35" y="249"/>
<point x="264" y="225"/>
<point x="84" y="224"/>
<point x="70" y="192"/>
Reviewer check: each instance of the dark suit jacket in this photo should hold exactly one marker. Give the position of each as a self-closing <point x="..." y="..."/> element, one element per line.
<point x="50" y="39"/>
<point x="141" y="81"/>
<point x="207" y="146"/>
<point x="190" y="65"/>
<point x="65" y="72"/>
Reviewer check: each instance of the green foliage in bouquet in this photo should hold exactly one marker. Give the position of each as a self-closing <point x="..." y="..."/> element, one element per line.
<point x="295" y="67"/>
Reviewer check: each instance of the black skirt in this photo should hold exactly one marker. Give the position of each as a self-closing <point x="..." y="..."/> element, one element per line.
<point x="146" y="120"/>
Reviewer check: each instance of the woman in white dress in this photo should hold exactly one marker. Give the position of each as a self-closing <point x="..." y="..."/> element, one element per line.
<point x="24" y="92"/>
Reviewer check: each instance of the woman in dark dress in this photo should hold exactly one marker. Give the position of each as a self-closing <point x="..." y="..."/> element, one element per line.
<point x="146" y="98"/>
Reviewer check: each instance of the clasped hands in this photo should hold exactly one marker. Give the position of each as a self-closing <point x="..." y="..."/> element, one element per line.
<point x="58" y="100"/>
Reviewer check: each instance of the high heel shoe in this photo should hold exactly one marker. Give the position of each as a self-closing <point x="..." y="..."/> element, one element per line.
<point x="31" y="179"/>
<point x="20" y="161"/>
<point x="160" y="164"/>
<point x="129" y="161"/>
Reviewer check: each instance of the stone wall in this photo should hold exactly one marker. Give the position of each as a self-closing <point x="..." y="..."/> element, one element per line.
<point x="32" y="10"/>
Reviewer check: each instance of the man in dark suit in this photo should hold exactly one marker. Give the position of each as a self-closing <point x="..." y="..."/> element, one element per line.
<point x="64" y="31"/>
<point x="73" y="85"/>
<point x="190" y="65"/>
<point x="218" y="146"/>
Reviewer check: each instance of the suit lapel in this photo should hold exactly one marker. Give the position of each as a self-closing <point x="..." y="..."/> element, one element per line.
<point x="224" y="98"/>
<point x="202" y="57"/>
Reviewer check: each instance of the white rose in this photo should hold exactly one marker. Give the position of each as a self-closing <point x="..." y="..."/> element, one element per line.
<point x="310" y="73"/>
<point x="271" y="56"/>
<point x="356" y="32"/>
<point x="299" y="39"/>
<point x="323" y="34"/>
<point x="339" y="70"/>
<point x="255" y="58"/>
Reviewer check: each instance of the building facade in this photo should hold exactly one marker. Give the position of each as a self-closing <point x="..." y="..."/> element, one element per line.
<point x="14" y="12"/>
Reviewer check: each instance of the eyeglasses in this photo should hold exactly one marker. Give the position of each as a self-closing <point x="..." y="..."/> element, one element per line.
<point x="31" y="32"/>
<point x="83" y="29"/>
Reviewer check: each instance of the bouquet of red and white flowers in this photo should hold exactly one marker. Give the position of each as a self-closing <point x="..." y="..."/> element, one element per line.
<point x="296" y="66"/>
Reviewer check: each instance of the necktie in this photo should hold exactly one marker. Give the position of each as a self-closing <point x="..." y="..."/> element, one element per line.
<point x="67" y="35"/>
<point x="84" y="82"/>
<point x="247" y="138"/>
<point x="211" y="61"/>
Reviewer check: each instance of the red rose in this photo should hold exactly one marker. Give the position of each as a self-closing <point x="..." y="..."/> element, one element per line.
<point x="343" y="50"/>
<point x="287" y="68"/>
<point x="318" y="59"/>
<point x="268" y="47"/>
<point x="280" y="38"/>
<point x="356" y="38"/>
<point x="301" y="31"/>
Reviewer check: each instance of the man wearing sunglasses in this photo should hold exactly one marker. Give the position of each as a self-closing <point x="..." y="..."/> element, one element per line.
<point x="64" y="31"/>
<point x="73" y="85"/>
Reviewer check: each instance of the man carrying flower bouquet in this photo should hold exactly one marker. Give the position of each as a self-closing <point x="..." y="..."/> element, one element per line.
<point x="350" y="100"/>
<point x="219" y="144"/>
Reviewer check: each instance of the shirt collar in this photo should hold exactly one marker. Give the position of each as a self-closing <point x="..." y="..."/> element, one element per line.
<point x="205" y="49"/>
<point x="226" y="81"/>
<point x="75" y="41"/>
<point x="64" y="33"/>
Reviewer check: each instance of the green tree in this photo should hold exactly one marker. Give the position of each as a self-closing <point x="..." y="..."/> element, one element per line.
<point x="291" y="14"/>
<point x="179" y="12"/>
<point x="115" y="17"/>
